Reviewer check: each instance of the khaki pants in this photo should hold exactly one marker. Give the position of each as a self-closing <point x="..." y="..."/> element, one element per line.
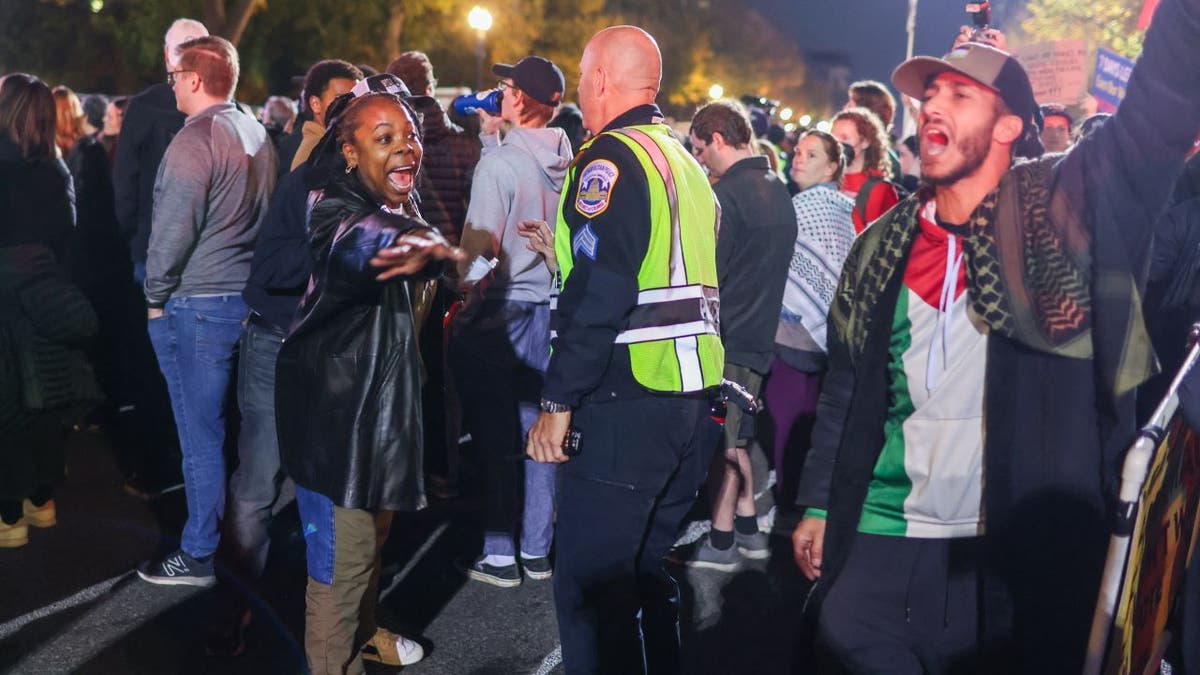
<point x="340" y="617"/>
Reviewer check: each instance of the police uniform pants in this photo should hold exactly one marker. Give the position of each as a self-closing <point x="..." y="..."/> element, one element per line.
<point x="621" y="502"/>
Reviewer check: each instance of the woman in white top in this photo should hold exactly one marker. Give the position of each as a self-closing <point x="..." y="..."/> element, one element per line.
<point x="825" y="232"/>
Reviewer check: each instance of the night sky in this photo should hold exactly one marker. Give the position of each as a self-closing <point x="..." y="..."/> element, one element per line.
<point x="872" y="31"/>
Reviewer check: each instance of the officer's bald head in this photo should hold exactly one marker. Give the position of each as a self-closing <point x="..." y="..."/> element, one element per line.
<point x="621" y="68"/>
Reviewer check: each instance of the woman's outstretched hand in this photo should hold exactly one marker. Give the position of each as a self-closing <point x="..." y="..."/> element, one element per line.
<point x="411" y="252"/>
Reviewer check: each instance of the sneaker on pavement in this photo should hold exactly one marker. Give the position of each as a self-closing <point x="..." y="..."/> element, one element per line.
<point x="537" y="568"/>
<point x="40" y="516"/>
<point x="14" y="535"/>
<point x="704" y="555"/>
<point x="755" y="546"/>
<point x="178" y="569"/>
<point x="391" y="649"/>
<point x="504" y="576"/>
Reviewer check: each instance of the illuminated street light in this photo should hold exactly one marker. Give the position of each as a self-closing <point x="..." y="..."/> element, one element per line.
<point x="824" y="125"/>
<point x="805" y="120"/>
<point x="716" y="91"/>
<point x="480" y="20"/>
<point x="96" y="6"/>
<point x="785" y="114"/>
<point x="789" y="127"/>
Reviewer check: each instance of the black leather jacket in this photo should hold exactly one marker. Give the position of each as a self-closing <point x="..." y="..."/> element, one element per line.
<point x="348" y="391"/>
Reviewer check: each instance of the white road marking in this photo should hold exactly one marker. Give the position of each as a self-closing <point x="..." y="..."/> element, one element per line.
<point x="552" y="661"/>
<point x="83" y="597"/>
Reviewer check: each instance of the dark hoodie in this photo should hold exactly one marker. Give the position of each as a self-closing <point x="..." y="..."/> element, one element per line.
<point x="151" y="121"/>
<point x="37" y="201"/>
<point x="444" y="183"/>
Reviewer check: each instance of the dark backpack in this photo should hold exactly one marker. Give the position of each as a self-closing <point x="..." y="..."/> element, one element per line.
<point x="864" y="195"/>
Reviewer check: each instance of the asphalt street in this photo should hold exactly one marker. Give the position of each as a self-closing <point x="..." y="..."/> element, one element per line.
<point x="70" y="602"/>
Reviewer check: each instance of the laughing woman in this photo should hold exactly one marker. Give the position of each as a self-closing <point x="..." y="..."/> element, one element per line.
<point x="347" y="379"/>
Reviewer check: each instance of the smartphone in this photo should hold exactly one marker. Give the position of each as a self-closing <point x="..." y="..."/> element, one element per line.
<point x="571" y="444"/>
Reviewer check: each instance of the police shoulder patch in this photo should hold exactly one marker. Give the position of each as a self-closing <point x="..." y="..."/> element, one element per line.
<point x="595" y="185"/>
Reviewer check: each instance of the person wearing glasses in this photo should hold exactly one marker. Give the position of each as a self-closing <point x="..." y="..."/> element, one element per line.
<point x="210" y="196"/>
<point x="500" y="342"/>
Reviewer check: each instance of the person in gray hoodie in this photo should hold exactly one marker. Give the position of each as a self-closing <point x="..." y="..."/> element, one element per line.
<point x="500" y="342"/>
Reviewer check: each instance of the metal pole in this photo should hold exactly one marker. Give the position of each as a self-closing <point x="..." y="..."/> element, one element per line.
<point x="911" y="26"/>
<point x="908" y="124"/>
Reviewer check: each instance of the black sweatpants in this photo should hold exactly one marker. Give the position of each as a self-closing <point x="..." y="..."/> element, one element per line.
<point x="903" y="605"/>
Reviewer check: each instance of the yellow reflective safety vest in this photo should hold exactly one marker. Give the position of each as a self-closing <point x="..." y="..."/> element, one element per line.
<point x="673" y="334"/>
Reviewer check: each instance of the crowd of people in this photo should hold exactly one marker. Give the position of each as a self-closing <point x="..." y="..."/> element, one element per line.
<point x="939" y="339"/>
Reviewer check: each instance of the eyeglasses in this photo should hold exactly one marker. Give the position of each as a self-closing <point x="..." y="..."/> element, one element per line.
<point x="505" y="86"/>
<point x="171" y="76"/>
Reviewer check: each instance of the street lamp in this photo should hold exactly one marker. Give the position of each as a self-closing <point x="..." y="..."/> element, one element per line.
<point x="481" y="20"/>
<point x="716" y="91"/>
<point x="785" y="114"/>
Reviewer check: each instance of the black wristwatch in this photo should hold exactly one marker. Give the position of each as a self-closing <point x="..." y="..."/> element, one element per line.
<point x="554" y="407"/>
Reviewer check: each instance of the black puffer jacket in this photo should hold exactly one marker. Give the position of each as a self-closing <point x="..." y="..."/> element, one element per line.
<point x="348" y="391"/>
<point x="444" y="184"/>
<point x="44" y="322"/>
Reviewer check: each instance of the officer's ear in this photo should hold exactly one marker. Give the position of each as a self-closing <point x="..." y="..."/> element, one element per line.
<point x="718" y="141"/>
<point x="599" y="81"/>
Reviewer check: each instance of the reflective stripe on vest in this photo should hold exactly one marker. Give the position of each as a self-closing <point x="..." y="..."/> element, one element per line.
<point x="668" y="313"/>
<point x="673" y="312"/>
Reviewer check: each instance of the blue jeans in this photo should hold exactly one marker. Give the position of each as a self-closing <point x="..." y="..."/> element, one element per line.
<point x="499" y="355"/>
<point x="254" y="487"/>
<point x="196" y="342"/>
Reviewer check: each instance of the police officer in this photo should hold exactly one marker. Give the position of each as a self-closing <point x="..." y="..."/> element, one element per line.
<point x="636" y="353"/>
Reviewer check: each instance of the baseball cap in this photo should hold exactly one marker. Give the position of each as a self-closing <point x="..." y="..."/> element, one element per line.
<point x="387" y="83"/>
<point x="993" y="68"/>
<point x="538" y="77"/>
<point x="325" y="160"/>
<point x="1056" y="110"/>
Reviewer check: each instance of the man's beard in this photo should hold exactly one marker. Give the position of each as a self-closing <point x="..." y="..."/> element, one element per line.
<point x="974" y="150"/>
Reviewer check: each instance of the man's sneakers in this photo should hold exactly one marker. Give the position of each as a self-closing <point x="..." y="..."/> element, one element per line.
<point x="178" y="569"/>
<point x="704" y="555"/>
<point x="752" y="546"/>
<point x="707" y="556"/>
<point x="45" y="515"/>
<point x="537" y="568"/>
<point x="391" y="649"/>
<point x="504" y="576"/>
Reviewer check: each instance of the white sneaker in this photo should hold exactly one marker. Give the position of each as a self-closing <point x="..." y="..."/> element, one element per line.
<point x="391" y="649"/>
